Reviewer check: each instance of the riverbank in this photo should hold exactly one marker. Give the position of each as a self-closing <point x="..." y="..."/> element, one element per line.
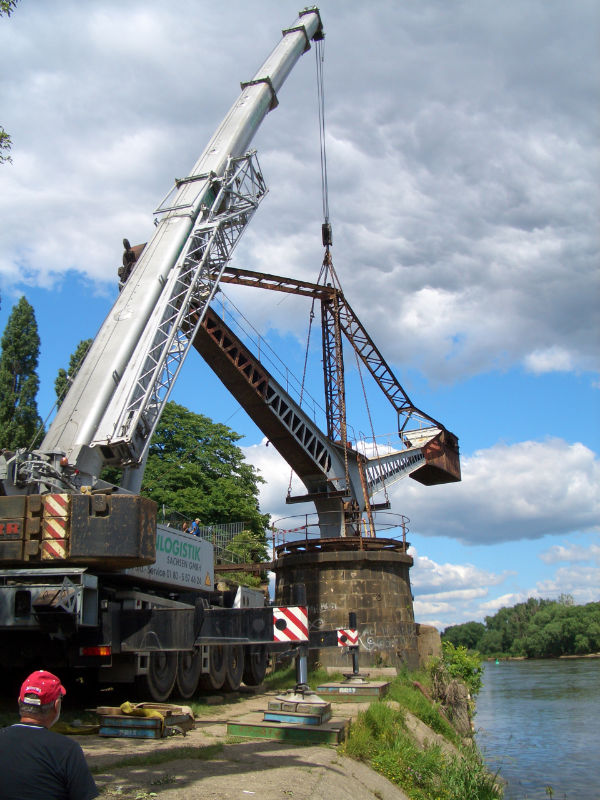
<point x="415" y="751"/>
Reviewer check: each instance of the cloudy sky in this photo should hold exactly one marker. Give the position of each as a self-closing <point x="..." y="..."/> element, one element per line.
<point x="463" y="168"/>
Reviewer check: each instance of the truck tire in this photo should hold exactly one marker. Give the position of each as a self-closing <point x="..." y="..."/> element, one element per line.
<point x="255" y="664"/>
<point x="235" y="668"/>
<point x="159" y="681"/>
<point x="189" y="664"/>
<point x="212" y="680"/>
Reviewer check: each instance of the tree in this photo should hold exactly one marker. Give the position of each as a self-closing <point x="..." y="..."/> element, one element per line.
<point x="19" y="419"/>
<point x="65" y="378"/>
<point x="248" y="547"/>
<point x="468" y="635"/>
<point x="195" y="467"/>
<point x="6" y="7"/>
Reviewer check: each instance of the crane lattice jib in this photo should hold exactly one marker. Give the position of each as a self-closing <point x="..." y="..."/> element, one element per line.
<point x="136" y="406"/>
<point x="148" y="306"/>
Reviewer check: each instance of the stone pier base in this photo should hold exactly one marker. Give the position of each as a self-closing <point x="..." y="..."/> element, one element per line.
<point x="370" y="578"/>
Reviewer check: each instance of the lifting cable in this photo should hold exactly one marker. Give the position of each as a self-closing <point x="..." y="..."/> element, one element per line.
<point x="327" y="270"/>
<point x="319" y="54"/>
<point x="327" y="266"/>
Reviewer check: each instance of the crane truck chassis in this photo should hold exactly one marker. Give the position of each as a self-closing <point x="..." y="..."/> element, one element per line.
<point x="158" y="623"/>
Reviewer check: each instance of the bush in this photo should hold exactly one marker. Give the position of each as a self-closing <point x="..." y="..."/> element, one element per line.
<point x="463" y="665"/>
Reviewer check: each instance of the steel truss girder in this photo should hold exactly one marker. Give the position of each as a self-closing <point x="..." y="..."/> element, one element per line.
<point x="135" y="409"/>
<point x="354" y="331"/>
<point x="333" y="370"/>
<point x="386" y="470"/>
<point x="319" y="462"/>
<point x="322" y="454"/>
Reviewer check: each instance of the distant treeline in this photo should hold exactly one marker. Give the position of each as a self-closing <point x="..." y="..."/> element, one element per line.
<point x="535" y="629"/>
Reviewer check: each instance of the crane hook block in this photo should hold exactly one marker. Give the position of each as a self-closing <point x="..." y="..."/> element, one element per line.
<point x="326" y="234"/>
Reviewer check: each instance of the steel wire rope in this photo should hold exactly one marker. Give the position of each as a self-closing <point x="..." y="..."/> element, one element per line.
<point x="320" y="58"/>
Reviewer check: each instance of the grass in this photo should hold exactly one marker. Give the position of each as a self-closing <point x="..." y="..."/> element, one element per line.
<point x="409" y="697"/>
<point x="379" y="738"/>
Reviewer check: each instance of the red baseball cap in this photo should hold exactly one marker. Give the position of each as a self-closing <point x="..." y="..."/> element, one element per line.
<point x="45" y="687"/>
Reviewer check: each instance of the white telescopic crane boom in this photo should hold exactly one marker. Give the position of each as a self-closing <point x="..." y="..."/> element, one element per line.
<point x="114" y="404"/>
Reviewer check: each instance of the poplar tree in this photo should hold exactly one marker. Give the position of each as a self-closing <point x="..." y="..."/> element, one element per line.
<point x="19" y="418"/>
<point x="65" y="377"/>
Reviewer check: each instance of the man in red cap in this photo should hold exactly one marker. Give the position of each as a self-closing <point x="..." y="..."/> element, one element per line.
<point x="37" y="763"/>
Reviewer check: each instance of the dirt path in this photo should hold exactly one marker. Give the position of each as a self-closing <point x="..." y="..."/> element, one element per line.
<point x="265" y="769"/>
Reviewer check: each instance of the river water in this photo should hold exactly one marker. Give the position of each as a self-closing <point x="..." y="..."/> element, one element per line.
<point x="538" y="722"/>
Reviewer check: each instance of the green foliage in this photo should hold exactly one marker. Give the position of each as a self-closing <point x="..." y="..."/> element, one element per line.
<point x="195" y="467"/>
<point x="65" y="377"/>
<point x="468" y="635"/>
<point x="561" y="629"/>
<point x="248" y="548"/>
<point x="19" y="419"/>
<point x="379" y="737"/>
<point x="6" y="9"/>
<point x="464" y="665"/>
<point x="5" y="145"/>
<point x="242" y="579"/>
<point x="537" y="628"/>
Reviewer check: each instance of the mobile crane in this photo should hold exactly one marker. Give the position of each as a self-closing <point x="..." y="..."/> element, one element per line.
<point x="88" y="580"/>
<point x="86" y="574"/>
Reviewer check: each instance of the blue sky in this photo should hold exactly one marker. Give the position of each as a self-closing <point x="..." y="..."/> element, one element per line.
<point x="462" y="145"/>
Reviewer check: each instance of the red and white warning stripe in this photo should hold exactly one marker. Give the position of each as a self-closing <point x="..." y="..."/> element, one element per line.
<point x="54" y="548"/>
<point x="54" y="528"/>
<point x="290" y="624"/>
<point x="347" y="637"/>
<point x="291" y="530"/>
<point x="55" y="525"/>
<point x="55" y="505"/>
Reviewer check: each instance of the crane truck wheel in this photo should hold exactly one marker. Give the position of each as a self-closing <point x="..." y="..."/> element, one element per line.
<point x="255" y="665"/>
<point x="212" y="680"/>
<point x="159" y="681"/>
<point x="189" y="665"/>
<point x="235" y="668"/>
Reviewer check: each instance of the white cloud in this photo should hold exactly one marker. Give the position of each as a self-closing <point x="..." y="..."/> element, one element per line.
<point x="496" y="480"/>
<point x="277" y="475"/>
<point x="582" y="582"/>
<point x="553" y="359"/>
<point x="449" y="580"/>
<point x="510" y="492"/>
<point x="461" y="164"/>
<point x="571" y="553"/>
